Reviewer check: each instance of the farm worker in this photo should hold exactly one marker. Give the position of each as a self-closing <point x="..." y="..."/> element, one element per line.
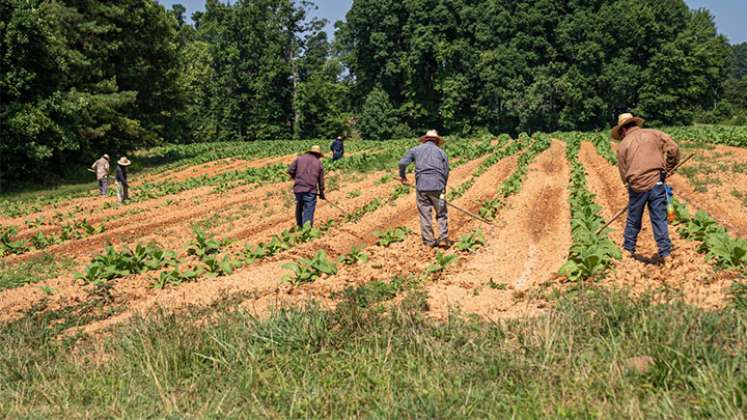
<point x="308" y="178"/>
<point x="431" y="176"/>
<point x="644" y="157"/>
<point x="338" y="148"/>
<point x="101" y="168"/>
<point x="121" y="178"/>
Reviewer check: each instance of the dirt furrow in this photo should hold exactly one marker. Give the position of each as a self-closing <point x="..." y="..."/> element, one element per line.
<point x="527" y="250"/>
<point x="264" y="279"/>
<point x="689" y="275"/>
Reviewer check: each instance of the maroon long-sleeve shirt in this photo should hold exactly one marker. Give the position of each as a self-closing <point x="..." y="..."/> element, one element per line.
<point x="308" y="173"/>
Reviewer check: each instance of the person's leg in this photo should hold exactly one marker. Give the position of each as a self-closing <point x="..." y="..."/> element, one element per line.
<point x="105" y="181"/>
<point x="309" y="207"/>
<point x="126" y="192"/>
<point x="657" y="210"/>
<point x="424" y="209"/>
<point x="636" y="203"/>
<point x="120" y="192"/>
<point x="299" y="209"/>
<point x="441" y="216"/>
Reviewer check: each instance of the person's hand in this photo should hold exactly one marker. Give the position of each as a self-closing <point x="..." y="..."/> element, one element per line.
<point x="404" y="181"/>
<point x="322" y="196"/>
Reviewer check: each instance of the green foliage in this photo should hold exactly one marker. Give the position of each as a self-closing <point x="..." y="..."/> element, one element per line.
<point x="9" y="246"/>
<point x="377" y="120"/>
<point x="307" y="270"/>
<point x="175" y="277"/>
<point x="471" y="242"/>
<point x="721" y="248"/>
<point x="355" y="256"/>
<point x="203" y="246"/>
<point x="284" y="241"/>
<point x="530" y="65"/>
<point x="79" y="78"/>
<point x="391" y="236"/>
<point x="373" y="292"/>
<point x="113" y="264"/>
<point x="216" y="267"/>
<point x="442" y="261"/>
<point x="590" y="253"/>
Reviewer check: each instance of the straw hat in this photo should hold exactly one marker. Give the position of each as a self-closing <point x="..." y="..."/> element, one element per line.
<point x="625" y="120"/>
<point x="123" y="161"/>
<point x="432" y="135"/>
<point x="315" y="149"/>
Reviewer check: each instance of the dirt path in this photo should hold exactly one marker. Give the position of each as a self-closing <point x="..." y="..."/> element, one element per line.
<point x="689" y="275"/>
<point x="528" y="249"/>
<point x="263" y="279"/>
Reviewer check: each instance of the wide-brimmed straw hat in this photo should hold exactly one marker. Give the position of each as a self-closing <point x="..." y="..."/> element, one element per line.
<point x="123" y="161"/>
<point x="623" y="121"/>
<point x="432" y="135"/>
<point x="315" y="149"/>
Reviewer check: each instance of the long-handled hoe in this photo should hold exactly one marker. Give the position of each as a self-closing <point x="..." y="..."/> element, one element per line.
<point x="622" y="210"/>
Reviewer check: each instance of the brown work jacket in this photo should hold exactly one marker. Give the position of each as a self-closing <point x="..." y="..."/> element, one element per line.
<point x="642" y="156"/>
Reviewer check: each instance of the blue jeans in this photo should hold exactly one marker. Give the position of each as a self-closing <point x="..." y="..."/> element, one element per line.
<point x="305" y="207"/>
<point x="656" y="199"/>
<point x="103" y="186"/>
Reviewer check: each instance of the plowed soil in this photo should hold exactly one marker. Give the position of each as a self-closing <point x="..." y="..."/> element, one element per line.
<point x="504" y="278"/>
<point x="689" y="274"/>
<point x="263" y="280"/>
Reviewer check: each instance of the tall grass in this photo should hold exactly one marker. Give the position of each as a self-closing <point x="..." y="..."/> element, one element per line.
<point x="366" y="361"/>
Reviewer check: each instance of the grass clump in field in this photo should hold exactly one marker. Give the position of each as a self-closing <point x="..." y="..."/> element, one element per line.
<point x="36" y="269"/>
<point x="598" y="354"/>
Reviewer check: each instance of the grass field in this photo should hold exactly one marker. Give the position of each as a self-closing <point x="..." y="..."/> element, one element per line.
<point x="201" y="298"/>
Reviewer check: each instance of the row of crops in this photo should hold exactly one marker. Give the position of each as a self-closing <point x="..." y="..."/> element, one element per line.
<point x="590" y="255"/>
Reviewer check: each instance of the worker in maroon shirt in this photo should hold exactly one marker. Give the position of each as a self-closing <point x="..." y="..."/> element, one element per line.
<point x="308" y="179"/>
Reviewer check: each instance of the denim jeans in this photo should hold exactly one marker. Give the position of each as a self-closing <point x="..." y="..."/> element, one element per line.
<point x="656" y="199"/>
<point x="305" y="207"/>
<point x="103" y="186"/>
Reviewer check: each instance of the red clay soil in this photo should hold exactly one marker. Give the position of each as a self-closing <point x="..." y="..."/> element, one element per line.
<point x="690" y="276"/>
<point x="519" y="257"/>
<point x="90" y="208"/>
<point x="263" y="279"/>
<point x="718" y="201"/>
<point x="66" y="291"/>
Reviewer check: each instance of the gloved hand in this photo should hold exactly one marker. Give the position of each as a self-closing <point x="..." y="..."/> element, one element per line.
<point x="322" y="196"/>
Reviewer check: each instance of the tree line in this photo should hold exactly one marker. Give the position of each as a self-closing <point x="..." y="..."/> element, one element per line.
<point x="80" y="77"/>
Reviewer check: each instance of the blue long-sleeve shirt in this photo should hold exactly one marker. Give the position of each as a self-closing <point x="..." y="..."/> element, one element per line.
<point x="431" y="166"/>
<point x="338" y="149"/>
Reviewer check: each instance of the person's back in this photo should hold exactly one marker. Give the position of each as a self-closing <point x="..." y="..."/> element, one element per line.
<point x="338" y="149"/>
<point x="431" y="166"/>
<point x="307" y="173"/>
<point x="642" y="156"/>
<point x="102" y="168"/>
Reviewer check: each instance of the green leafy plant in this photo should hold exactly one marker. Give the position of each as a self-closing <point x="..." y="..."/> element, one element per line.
<point x="389" y="237"/>
<point x="471" y="241"/>
<point x="215" y="267"/>
<point x="175" y="277"/>
<point x="355" y="256"/>
<point x="203" y="246"/>
<point x="442" y="261"/>
<point x="114" y="264"/>
<point x="9" y="246"/>
<point x="307" y="270"/>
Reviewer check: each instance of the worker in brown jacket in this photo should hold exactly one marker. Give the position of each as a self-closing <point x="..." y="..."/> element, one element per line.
<point x="644" y="158"/>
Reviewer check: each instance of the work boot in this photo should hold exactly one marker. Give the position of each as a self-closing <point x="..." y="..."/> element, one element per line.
<point x="431" y="244"/>
<point x="445" y="243"/>
<point x="664" y="262"/>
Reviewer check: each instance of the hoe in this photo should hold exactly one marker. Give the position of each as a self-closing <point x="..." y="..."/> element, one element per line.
<point x="619" y="213"/>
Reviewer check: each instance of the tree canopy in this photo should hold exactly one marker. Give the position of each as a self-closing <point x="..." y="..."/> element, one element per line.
<point x="84" y="77"/>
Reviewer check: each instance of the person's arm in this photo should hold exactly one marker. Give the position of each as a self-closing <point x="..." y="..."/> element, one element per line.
<point x="95" y="165"/>
<point x="321" y="181"/>
<point x="446" y="167"/>
<point x="292" y="168"/>
<point x="406" y="160"/>
<point x="671" y="152"/>
<point x="622" y="164"/>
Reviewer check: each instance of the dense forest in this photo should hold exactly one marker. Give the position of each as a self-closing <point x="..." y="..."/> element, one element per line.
<point x="80" y="77"/>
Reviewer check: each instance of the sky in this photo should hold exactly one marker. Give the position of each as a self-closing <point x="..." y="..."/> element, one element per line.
<point x="730" y="15"/>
